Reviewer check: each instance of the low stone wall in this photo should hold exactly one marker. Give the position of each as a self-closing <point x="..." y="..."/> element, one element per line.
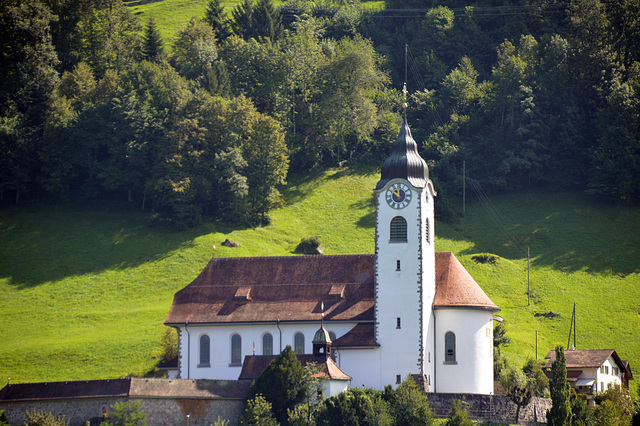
<point x="492" y="408"/>
<point x="160" y="411"/>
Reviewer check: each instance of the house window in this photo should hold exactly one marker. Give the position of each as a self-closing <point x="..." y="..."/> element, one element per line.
<point x="397" y="265"/>
<point x="602" y="369"/>
<point x="236" y="350"/>
<point x="204" y="351"/>
<point x="398" y="379"/>
<point x="606" y="369"/>
<point x="398" y="229"/>
<point x="267" y="344"/>
<point x="298" y="343"/>
<point x="449" y="348"/>
<point x="398" y="323"/>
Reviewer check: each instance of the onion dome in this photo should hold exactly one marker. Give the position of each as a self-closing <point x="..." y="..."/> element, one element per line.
<point x="404" y="161"/>
<point x="321" y="336"/>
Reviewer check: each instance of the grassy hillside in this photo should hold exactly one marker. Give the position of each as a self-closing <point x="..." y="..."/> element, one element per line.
<point x="171" y="15"/>
<point x="85" y="292"/>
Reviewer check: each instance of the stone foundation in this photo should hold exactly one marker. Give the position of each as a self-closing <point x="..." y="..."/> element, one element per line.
<point x="492" y="408"/>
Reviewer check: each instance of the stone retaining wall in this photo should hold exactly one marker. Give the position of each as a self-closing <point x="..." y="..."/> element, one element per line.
<point x="160" y="411"/>
<point x="492" y="408"/>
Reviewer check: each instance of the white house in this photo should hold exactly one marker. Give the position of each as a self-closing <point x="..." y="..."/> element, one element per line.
<point x="593" y="370"/>
<point x="403" y="310"/>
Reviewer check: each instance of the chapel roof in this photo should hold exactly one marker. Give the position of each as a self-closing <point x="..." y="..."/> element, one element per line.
<point x="293" y="288"/>
<point x="404" y="161"/>
<point x="456" y="288"/>
<point x="254" y="365"/>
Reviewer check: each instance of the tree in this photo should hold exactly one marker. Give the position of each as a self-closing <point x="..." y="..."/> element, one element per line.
<point x="111" y="37"/>
<point x="499" y="338"/>
<point x="195" y="51"/>
<point x="257" y="413"/>
<point x="519" y="388"/>
<point x="242" y="18"/>
<point x="127" y="414"/>
<point x="266" y="21"/>
<point x="458" y="416"/>
<point x="533" y="370"/>
<point x="408" y="405"/>
<point x="267" y="164"/>
<point x="354" y="407"/>
<point x="216" y="17"/>
<point x="614" y="407"/>
<point x="152" y="48"/>
<point x="283" y="384"/>
<point x="560" y="390"/>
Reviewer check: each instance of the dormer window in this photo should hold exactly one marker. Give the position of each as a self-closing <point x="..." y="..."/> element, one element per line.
<point x="243" y="294"/>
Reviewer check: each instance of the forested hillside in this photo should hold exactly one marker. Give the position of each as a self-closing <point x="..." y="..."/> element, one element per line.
<point x="94" y="104"/>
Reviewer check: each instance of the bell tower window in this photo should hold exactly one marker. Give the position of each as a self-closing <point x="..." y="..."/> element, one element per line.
<point x="398" y="229"/>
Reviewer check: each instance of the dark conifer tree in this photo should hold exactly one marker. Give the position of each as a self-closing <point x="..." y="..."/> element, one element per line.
<point x="266" y="21"/>
<point x="242" y="20"/>
<point x="215" y="16"/>
<point x="152" y="48"/>
<point x="559" y="388"/>
<point x="283" y="384"/>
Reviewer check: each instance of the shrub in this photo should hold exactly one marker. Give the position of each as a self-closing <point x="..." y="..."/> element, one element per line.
<point x="40" y="418"/>
<point x="458" y="415"/>
<point x="127" y="414"/>
<point x="257" y="413"/>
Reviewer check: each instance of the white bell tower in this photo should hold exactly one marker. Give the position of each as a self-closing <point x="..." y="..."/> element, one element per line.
<point x="405" y="264"/>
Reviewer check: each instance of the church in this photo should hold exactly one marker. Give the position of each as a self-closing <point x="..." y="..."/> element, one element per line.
<point x="404" y="310"/>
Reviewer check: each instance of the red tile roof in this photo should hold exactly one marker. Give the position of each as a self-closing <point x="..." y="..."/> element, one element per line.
<point x="254" y="365"/>
<point x="455" y="288"/>
<point x="292" y="288"/>
<point x="130" y="387"/>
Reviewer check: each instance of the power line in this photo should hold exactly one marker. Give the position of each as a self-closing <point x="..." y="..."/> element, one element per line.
<point x="497" y="218"/>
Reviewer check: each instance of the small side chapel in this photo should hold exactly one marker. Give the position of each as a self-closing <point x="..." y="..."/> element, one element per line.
<point x="406" y="309"/>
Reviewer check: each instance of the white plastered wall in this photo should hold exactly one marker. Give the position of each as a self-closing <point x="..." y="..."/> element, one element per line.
<point x="220" y="366"/>
<point x="473" y="370"/>
<point x="406" y="293"/>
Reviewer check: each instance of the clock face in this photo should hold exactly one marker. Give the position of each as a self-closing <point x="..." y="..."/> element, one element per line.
<point x="398" y="195"/>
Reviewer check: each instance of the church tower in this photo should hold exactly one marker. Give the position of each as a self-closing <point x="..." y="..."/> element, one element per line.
<point x="405" y="264"/>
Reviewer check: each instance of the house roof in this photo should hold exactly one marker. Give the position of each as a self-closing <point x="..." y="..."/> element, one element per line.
<point x="292" y="288"/>
<point x="254" y="365"/>
<point x="588" y="358"/>
<point x="129" y="387"/>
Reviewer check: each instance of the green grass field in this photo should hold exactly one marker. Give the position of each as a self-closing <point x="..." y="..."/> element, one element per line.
<point x="172" y="15"/>
<point x="85" y="291"/>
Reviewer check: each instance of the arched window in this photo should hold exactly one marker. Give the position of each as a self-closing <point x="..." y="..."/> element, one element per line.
<point x="449" y="347"/>
<point x="236" y="349"/>
<point x="267" y="344"/>
<point x="204" y="351"/>
<point x="298" y="343"/>
<point x="398" y="229"/>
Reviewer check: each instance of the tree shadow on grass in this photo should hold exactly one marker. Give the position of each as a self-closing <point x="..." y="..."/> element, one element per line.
<point x="42" y="244"/>
<point x="567" y="232"/>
